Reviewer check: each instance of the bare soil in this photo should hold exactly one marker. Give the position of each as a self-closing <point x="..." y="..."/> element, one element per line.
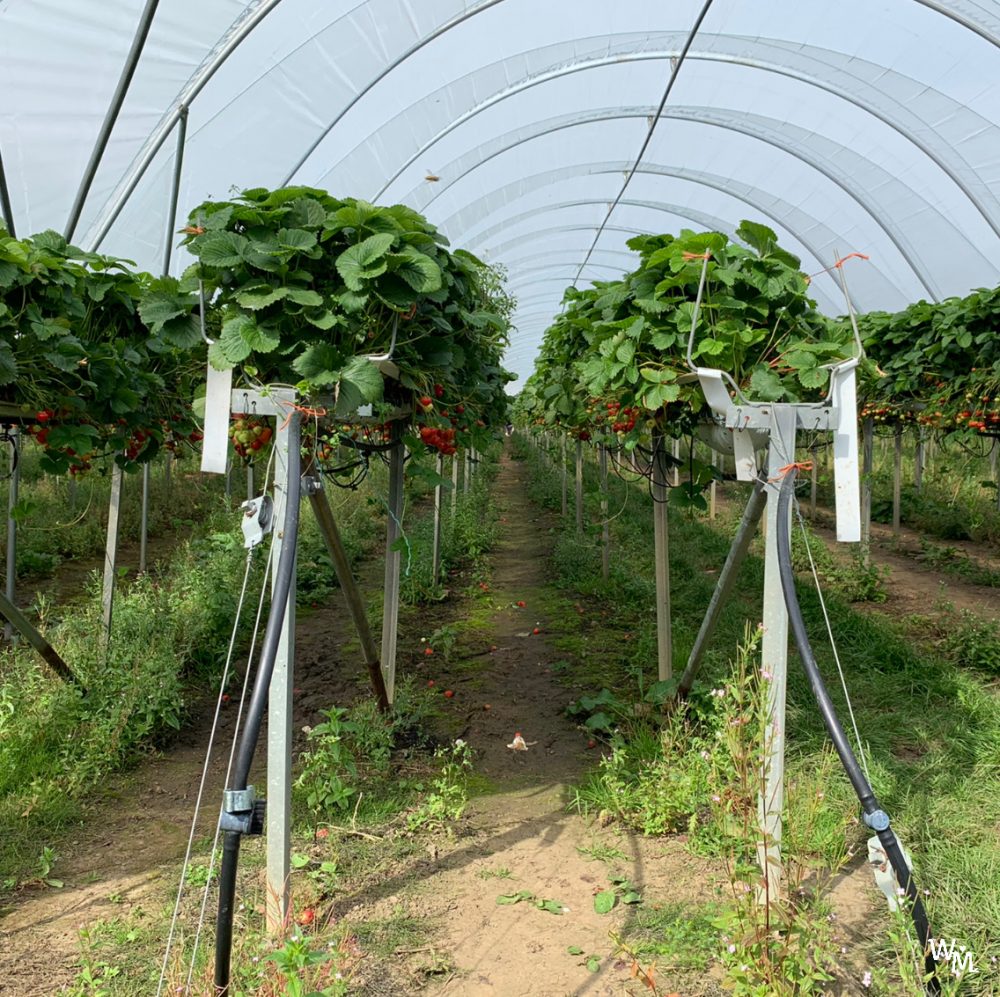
<point x="520" y="835"/>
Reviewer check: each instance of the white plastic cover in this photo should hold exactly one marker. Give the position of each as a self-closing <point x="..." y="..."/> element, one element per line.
<point x="846" y="127"/>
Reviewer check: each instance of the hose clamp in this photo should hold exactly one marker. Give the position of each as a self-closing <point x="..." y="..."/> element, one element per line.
<point x="877" y="820"/>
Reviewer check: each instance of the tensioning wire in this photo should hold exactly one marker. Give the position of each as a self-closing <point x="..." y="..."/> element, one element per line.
<point x="833" y="642"/>
<point x="236" y="732"/>
<point x="688" y="42"/>
<point x="208" y="753"/>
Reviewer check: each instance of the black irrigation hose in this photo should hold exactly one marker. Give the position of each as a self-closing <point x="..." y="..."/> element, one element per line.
<point x="258" y="704"/>
<point x="874" y="816"/>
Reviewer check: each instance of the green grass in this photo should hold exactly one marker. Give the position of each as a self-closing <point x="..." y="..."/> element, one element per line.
<point x="930" y="726"/>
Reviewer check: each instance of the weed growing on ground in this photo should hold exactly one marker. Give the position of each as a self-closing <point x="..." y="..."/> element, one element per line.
<point x="449" y="793"/>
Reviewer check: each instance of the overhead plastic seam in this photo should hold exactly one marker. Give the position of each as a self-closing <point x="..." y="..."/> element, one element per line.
<point x="5" y="209"/>
<point x="559" y="230"/>
<point x="246" y="25"/>
<point x="965" y="22"/>
<point x="713" y="222"/>
<point x="199" y="80"/>
<point x="658" y="170"/>
<point x="111" y="116"/>
<point x="398" y="61"/>
<point x="674" y="71"/>
<point x="611" y="115"/>
<point x="564" y="71"/>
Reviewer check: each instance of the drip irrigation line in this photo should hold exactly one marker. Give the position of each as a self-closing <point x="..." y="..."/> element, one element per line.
<point x="229" y="764"/>
<point x="283" y="576"/>
<point x="874" y="816"/>
<point x="204" y="771"/>
<point x="676" y="68"/>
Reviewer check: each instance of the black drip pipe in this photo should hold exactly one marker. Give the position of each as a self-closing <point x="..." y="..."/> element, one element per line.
<point x="258" y="705"/>
<point x="874" y="816"/>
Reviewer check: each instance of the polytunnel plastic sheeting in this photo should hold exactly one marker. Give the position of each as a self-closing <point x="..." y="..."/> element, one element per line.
<point x="840" y="229"/>
<point x="812" y="234"/>
<point x="372" y="94"/>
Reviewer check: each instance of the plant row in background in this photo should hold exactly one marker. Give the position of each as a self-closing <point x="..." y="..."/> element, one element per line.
<point x="930" y="725"/>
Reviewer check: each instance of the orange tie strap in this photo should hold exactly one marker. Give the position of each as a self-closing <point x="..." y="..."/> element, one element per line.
<point x="849" y="256"/>
<point x="804" y="465"/>
<point x="311" y="413"/>
<point x="696" y="256"/>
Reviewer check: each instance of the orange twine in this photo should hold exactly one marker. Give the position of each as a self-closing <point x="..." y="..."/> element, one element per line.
<point x="804" y="465"/>
<point x="312" y="413"/>
<point x="696" y="256"/>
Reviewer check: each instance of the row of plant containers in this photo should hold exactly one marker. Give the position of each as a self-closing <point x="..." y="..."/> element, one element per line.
<point x="363" y="307"/>
<point x="614" y="365"/>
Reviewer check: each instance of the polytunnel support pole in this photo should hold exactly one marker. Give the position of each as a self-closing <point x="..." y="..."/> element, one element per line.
<point x="918" y="462"/>
<point x="5" y="208"/>
<point x="51" y="656"/>
<point x="436" y="544"/>
<point x="664" y="636"/>
<point x="867" y="465"/>
<point x="394" y="530"/>
<point x="724" y="586"/>
<point x="454" y="484"/>
<point x="774" y="654"/>
<point x="144" y="519"/>
<point x="111" y="552"/>
<point x="107" y="126"/>
<point x="175" y="188"/>
<point x="564" y="479"/>
<point x="12" y="488"/>
<point x="605" y="525"/>
<point x="578" y="495"/>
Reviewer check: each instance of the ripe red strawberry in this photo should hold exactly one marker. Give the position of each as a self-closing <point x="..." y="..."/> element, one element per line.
<point x="521" y="604"/>
<point x="430" y="683"/>
<point x="448" y="694"/>
<point x="307" y="917"/>
<point x="428" y="651"/>
<point x="536" y="631"/>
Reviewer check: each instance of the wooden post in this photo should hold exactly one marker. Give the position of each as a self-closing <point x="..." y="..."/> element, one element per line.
<point x="661" y="548"/>
<point x="393" y="531"/>
<point x="867" y="463"/>
<point x="436" y="545"/>
<point x="352" y="596"/>
<point x="167" y="471"/>
<point x="13" y="483"/>
<point x="897" y="480"/>
<point x="578" y="496"/>
<point x="111" y="551"/>
<point x="144" y="519"/>
<point x="605" y="525"/>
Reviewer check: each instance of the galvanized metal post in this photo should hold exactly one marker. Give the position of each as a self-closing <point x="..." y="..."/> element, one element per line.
<point x="454" y="484"/>
<point x="14" y="465"/>
<point x="711" y="488"/>
<point x="564" y="506"/>
<point x="605" y="525"/>
<point x="676" y="451"/>
<point x="144" y="519"/>
<point x="167" y="474"/>
<point x="661" y="547"/>
<point x="466" y="473"/>
<point x="436" y="544"/>
<point x="867" y="465"/>
<point x="724" y="586"/>
<point x="394" y="530"/>
<point x="918" y="462"/>
<point x="897" y="480"/>
<point x="6" y="211"/>
<point x="175" y="188"/>
<point x="279" y="710"/>
<point x="774" y="656"/>
<point x="19" y="622"/>
<point x="813" y="481"/>
<point x="578" y="496"/>
<point x="111" y="551"/>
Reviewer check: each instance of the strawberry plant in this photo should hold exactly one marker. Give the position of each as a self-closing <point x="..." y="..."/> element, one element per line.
<point x="77" y="363"/>
<point x="304" y="288"/>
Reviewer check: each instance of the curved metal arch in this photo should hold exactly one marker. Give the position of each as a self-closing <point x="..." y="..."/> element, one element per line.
<point x="615" y="114"/>
<point x="198" y="81"/>
<point x="681" y="114"/>
<point x="757" y="64"/>
<point x="654" y="170"/>
<point x="960" y="19"/>
<point x="559" y="229"/>
<point x="245" y="26"/>
<point x="711" y="221"/>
